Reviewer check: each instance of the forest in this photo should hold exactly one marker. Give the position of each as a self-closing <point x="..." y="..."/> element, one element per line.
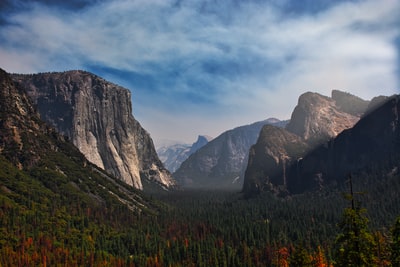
<point x="46" y="221"/>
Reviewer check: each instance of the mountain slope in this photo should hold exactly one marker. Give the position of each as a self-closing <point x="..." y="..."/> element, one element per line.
<point x="373" y="143"/>
<point x="55" y="206"/>
<point x="34" y="148"/>
<point x="270" y="158"/>
<point x="221" y="163"/>
<point x="97" y="116"/>
<point x="315" y="120"/>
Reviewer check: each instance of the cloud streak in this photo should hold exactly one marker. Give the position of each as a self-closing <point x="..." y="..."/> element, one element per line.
<point x="207" y="66"/>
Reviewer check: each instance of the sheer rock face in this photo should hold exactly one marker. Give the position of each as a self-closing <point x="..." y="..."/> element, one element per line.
<point x="270" y="159"/>
<point x="317" y="118"/>
<point x="276" y="159"/>
<point x="372" y="143"/>
<point x="97" y="116"/>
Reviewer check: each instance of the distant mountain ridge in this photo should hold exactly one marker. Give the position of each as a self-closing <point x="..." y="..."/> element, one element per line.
<point x="172" y="156"/>
<point x="221" y="162"/>
<point x="97" y="116"/>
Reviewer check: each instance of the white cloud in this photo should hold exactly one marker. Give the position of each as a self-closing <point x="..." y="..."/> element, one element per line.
<point x="243" y="62"/>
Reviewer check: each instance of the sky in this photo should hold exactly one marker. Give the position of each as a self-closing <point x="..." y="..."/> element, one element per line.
<point x="207" y="66"/>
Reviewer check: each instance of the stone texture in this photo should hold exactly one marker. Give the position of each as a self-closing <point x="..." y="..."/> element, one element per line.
<point x="373" y="143"/>
<point x="276" y="159"/>
<point x="97" y="116"/>
<point x="270" y="158"/>
<point x="316" y="118"/>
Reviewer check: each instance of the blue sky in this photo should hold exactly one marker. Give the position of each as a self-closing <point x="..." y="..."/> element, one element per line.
<point x="206" y="66"/>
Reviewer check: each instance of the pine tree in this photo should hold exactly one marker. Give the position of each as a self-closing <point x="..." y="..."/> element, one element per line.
<point x="355" y="244"/>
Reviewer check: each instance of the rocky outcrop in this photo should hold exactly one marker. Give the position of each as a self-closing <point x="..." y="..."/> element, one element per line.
<point x="201" y="141"/>
<point x="222" y="162"/>
<point x="97" y="116"/>
<point x="373" y="143"/>
<point x="270" y="159"/>
<point x="20" y="125"/>
<point x="172" y="156"/>
<point x="317" y="118"/>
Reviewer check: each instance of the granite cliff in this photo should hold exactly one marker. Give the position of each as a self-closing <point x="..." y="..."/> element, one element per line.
<point x="270" y="158"/>
<point x="97" y="116"/>
<point x="372" y="144"/>
<point x="40" y="168"/>
<point x="316" y="119"/>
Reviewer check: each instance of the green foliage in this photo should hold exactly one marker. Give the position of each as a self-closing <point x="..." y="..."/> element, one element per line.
<point x="62" y="212"/>
<point x="300" y="257"/>
<point x="355" y="242"/>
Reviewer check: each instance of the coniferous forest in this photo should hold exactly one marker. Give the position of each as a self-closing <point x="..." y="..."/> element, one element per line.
<point x="57" y="209"/>
<point x="45" y="221"/>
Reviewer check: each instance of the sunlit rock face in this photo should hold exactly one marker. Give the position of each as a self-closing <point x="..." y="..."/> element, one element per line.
<point x="316" y="118"/>
<point x="276" y="160"/>
<point x="97" y="116"/>
<point x="372" y="144"/>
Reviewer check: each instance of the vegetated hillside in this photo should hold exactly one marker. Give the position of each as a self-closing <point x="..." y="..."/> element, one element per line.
<point x="96" y="116"/>
<point x="55" y="206"/>
<point x="222" y="161"/>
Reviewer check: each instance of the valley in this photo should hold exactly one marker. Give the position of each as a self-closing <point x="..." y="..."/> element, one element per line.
<point x="309" y="186"/>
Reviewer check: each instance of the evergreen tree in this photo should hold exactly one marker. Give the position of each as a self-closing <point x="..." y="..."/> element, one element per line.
<point x="300" y="257"/>
<point x="355" y="244"/>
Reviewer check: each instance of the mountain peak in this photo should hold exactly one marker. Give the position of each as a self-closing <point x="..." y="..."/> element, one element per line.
<point x="317" y="118"/>
<point x="200" y="142"/>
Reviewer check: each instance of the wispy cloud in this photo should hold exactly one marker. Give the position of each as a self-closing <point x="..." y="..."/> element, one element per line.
<point x="206" y="66"/>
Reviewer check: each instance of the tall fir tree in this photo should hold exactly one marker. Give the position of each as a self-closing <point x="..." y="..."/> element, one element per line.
<point x="355" y="243"/>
